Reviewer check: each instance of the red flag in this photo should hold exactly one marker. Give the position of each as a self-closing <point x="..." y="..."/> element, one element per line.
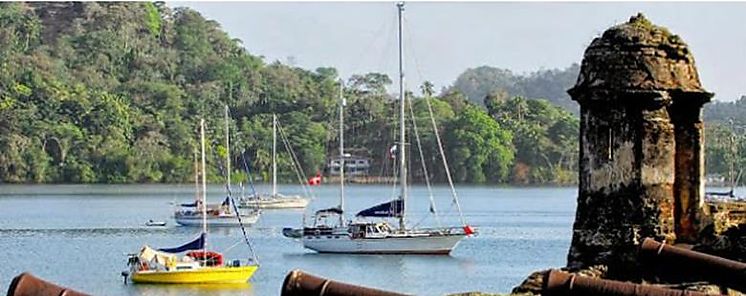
<point x="314" y="181"/>
<point x="468" y="230"/>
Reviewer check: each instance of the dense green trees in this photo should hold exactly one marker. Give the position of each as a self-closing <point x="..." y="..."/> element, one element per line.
<point x="545" y="138"/>
<point x="480" y="150"/>
<point x="112" y="93"/>
<point x="552" y="85"/>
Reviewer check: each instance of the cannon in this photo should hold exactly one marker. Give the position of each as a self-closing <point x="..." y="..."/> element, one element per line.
<point x="693" y="265"/>
<point x="299" y="283"/>
<point x="559" y="283"/>
<point x="26" y="284"/>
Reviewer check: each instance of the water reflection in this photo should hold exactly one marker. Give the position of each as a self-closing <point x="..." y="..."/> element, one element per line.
<point x="192" y="289"/>
<point x="392" y="272"/>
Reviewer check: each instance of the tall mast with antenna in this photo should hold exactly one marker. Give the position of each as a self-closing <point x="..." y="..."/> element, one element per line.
<point x="402" y="129"/>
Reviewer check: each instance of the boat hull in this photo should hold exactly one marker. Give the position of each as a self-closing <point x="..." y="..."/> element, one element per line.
<point x="206" y="275"/>
<point x="219" y="221"/>
<point x="275" y="202"/>
<point x="426" y="245"/>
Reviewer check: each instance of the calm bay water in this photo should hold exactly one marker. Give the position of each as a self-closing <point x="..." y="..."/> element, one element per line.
<point x="78" y="236"/>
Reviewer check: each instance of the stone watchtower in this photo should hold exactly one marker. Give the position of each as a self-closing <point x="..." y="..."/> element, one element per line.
<point x="641" y="144"/>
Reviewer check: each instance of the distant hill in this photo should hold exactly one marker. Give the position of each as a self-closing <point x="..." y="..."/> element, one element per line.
<point x="552" y="85"/>
<point x="723" y="112"/>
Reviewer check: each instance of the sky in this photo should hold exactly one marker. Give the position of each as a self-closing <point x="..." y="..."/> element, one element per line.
<point x="443" y="39"/>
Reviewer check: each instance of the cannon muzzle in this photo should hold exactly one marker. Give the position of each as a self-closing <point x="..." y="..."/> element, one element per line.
<point x="26" y="284"/>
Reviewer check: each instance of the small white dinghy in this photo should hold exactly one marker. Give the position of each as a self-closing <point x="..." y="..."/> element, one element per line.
<point x="155" y="223"/>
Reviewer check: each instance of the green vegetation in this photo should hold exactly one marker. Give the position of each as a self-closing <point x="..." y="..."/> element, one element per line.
<point x="112" y="93"/>
<point x="545" y="139"/>
<point x="725" y="132"/>
<point x="552" y="85"/>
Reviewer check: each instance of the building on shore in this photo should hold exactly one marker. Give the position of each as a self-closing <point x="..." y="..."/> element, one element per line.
<point x="354" y="165"/>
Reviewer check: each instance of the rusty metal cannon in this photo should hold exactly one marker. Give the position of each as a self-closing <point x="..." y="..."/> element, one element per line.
<point x="562" y="283"/>
<point x="299" y="283"/>
<point x="675" y="261"/>
<point x="26" y="284"/>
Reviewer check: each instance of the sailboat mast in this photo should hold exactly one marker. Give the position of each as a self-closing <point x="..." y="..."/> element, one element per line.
<point x="402" y="129"/>
<point x="204" y="176"/>
<point x="274" y="154"/>
<point x="342" y="104"/>
<point x="227" y="152"/>
<point x="196" y="177"/>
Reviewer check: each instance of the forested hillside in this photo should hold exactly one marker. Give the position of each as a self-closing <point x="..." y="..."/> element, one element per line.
<point x="112" y="92"/>
<point x="551" y="85"/>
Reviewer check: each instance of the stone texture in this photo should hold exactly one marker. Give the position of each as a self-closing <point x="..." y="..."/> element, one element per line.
<point x="638" y="55"/>
<point x="641" y="146"/>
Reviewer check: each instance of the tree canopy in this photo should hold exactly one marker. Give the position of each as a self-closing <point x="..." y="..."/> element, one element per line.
<point x="552" y="85"/>
<point x="112" y="92"/>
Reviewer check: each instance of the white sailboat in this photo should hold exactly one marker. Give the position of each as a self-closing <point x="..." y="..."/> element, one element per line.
<point x="223" y="214"/>
<point x="330" y="234"/>
<point x="274" y="200"/>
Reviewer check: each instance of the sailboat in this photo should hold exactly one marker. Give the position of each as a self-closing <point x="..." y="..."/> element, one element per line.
<point x="330" y="234"/>
<point x="198" y="265"/>
<point x="274" y="200"/>
<point x="223" y="214"/>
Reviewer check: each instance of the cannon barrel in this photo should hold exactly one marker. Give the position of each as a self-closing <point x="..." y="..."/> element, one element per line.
<point x="299" y="283"/>
<point x="696" y="265"/>
<point x="563" y="283"/>
<point x="26" y="284"/>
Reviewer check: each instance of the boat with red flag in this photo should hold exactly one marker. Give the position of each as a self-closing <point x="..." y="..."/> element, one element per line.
<point x="371" y="232"/>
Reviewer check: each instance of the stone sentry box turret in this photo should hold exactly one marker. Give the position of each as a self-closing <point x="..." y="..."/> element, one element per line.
<point x="641" y="145"/>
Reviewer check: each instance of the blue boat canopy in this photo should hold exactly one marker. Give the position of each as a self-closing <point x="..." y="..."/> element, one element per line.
<point x="197" y="244"/>
<point x="190" y="205"/>
<point x="392" y="208"/>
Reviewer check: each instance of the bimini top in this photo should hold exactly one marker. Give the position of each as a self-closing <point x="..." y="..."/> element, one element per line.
<point x="335" y="210"/>
<point x="194" y="204"/>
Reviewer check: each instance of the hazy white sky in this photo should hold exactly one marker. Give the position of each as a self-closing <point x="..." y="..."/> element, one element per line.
<point x="445" y="38"/>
